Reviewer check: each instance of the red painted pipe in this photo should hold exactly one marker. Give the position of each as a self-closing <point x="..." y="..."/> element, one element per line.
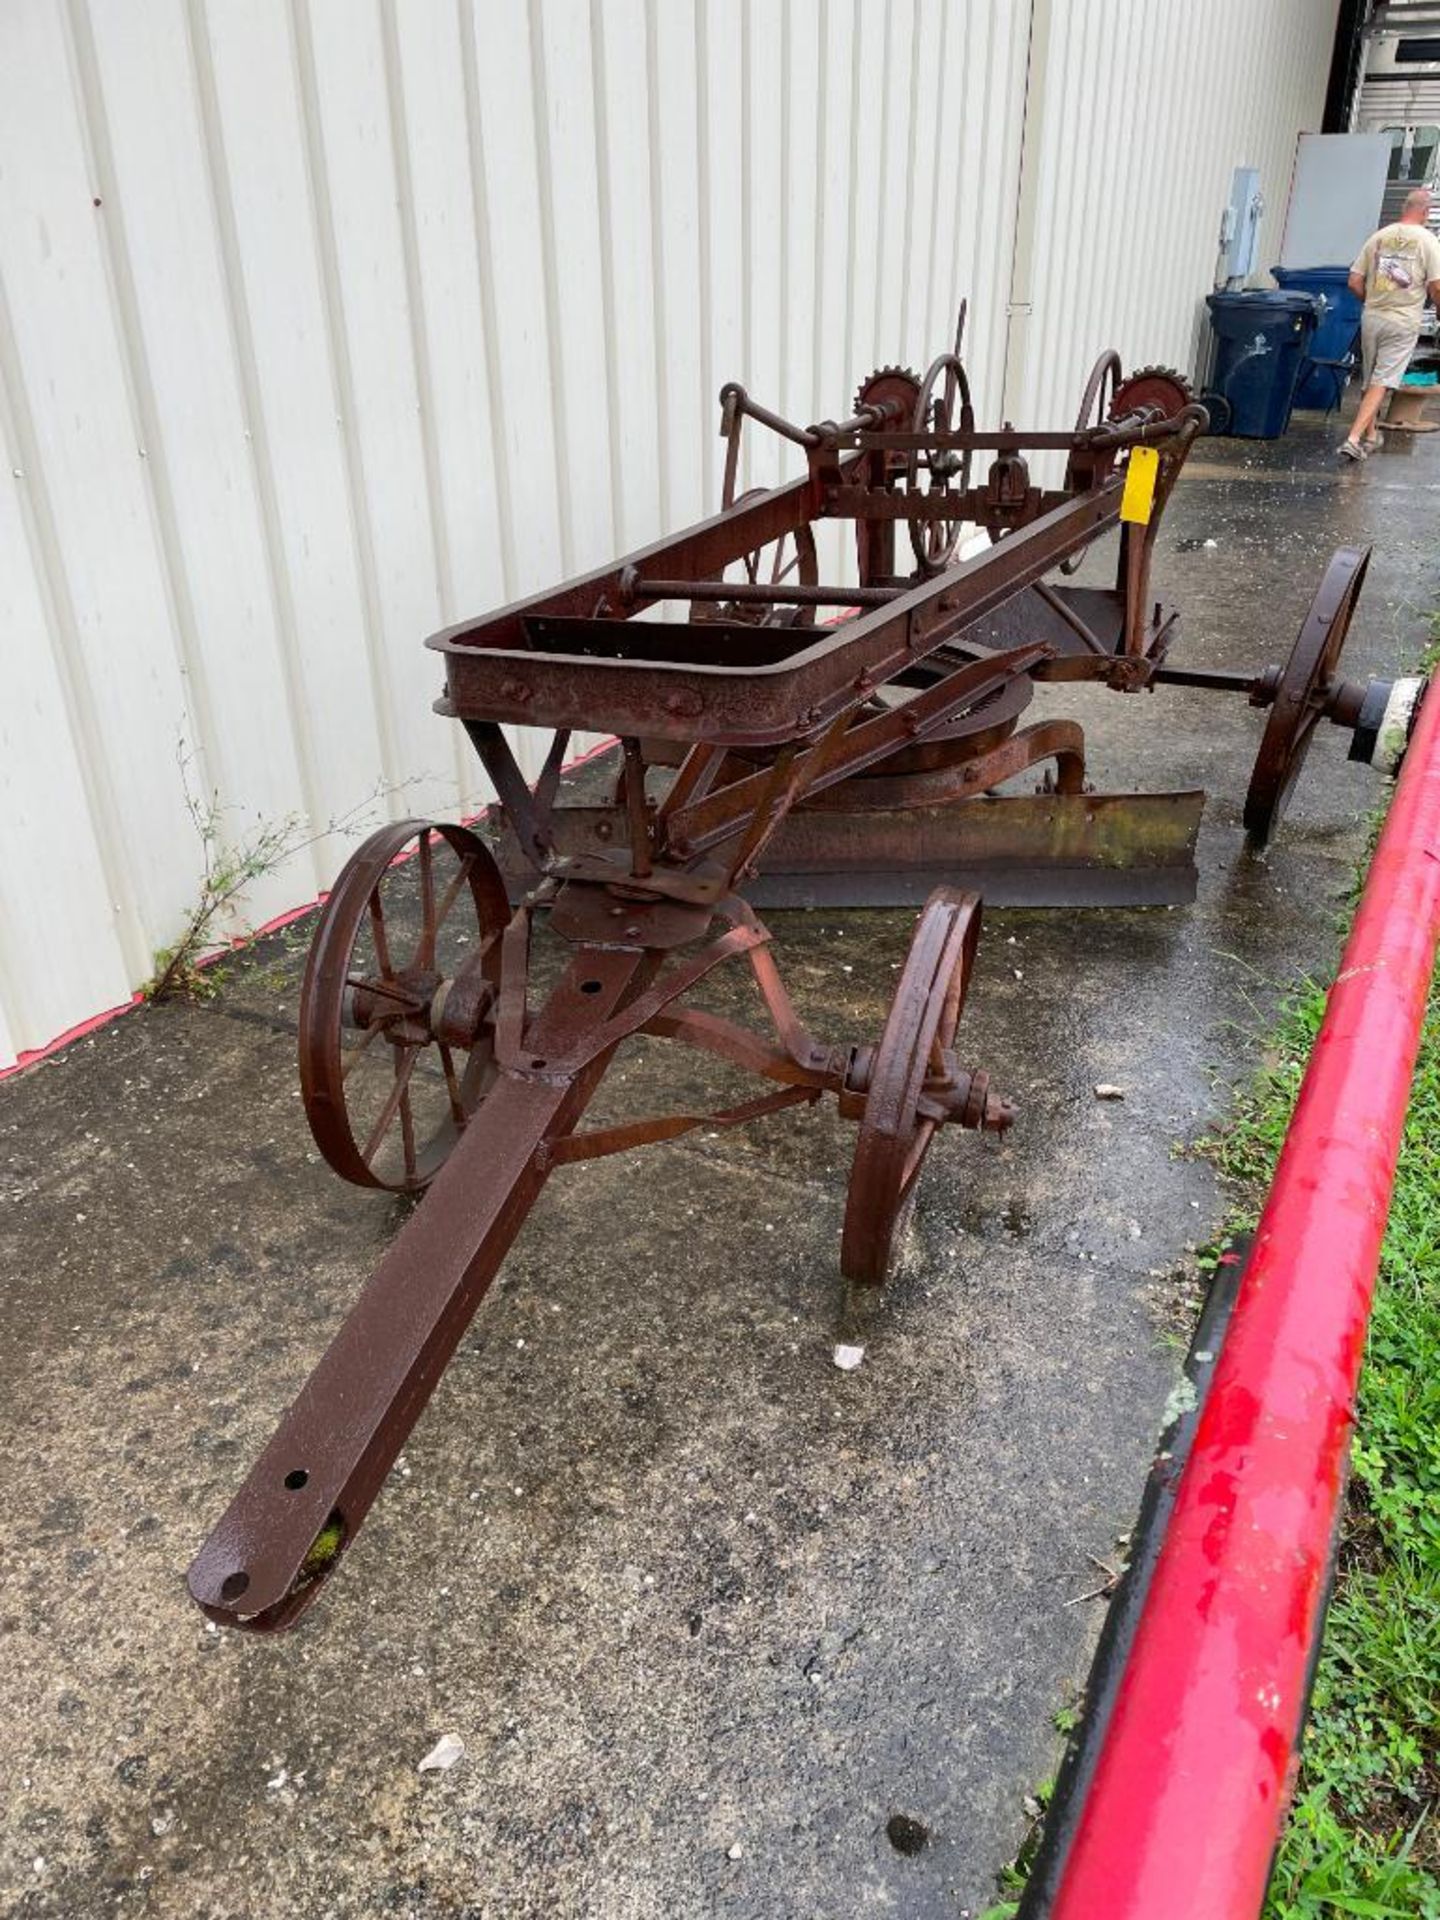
<point x="1193" y="1776"/>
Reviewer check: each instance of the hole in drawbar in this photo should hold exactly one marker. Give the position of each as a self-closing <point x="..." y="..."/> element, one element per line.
<point x="296" y="1479"/>
<point x="233" y="1585"/>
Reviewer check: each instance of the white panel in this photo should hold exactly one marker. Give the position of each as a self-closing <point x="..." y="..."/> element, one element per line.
<point x="897" y="80"/>
<point x="623" y="107"/>
<point x="689" y="411"/>
<point x="60" y="949"/>
<point x="566" y="135"/>
<point x="145" y="125"/>
<point x="1339" y="183"/>
<point x="722" y="100"/>
<point x="769" y="460"/>
<point x="276" y="282"/>
<point x="835" y="376"/>
<point x="507" y="130"/>
<point x="863" y="348"/>
<point x="345" y="88"/>
<point x="918" y="321"/>
<point x="469" y="511"/>
<point x="799" y="371"/>
<point x="85" y="464"/>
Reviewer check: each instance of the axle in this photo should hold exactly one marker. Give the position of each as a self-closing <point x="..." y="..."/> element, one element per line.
<point x="1342" y="701"/>
<point x="634" y="587"/>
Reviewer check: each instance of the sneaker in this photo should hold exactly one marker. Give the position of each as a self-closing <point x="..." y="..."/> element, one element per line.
<point x="1351" y="450"/>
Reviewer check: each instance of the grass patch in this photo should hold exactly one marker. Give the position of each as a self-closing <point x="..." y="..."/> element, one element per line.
<point x="1361" y="1838"/>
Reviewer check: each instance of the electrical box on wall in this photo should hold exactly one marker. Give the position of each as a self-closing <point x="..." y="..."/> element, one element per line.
<point x="1240" y="228"/>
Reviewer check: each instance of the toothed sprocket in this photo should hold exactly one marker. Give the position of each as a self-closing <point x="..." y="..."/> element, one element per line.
<point x="1160" y="388"/>
<point x="896" y="386"/>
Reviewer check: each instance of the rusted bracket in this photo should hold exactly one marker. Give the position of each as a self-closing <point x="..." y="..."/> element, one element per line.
<point x="708" y="822"/>
<point x="527" y="809"/>
<point x="597" y="1142"/>
<point x="607" y="1034"/>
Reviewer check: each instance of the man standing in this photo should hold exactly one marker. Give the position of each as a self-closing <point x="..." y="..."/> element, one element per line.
<point x="1397" y="267"/>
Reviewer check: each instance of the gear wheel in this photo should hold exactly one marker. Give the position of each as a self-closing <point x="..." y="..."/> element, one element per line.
<point x="1160" y="388"/>
<point x="896" y="385"/>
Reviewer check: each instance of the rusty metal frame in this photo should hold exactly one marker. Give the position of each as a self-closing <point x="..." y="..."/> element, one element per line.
<point x="854" y="735"/>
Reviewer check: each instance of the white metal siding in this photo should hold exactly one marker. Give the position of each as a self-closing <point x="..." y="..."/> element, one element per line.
<point x="1149" y="106"/>
<point x="326" y="322"/>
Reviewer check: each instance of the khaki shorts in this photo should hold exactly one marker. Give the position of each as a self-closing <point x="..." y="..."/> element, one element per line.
<point x="1386" y="345"/>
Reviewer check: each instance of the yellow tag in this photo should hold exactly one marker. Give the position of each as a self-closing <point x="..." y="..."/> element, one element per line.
<point x="1140" y="476"/>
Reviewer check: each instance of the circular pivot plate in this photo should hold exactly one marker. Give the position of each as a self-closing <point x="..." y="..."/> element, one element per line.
<point x="1301" y="693"/>
<point x="915" y="1048"/>
<point x="397" y="1007"/>
<point x="964" y="736"/>
<point x="1159" y="388"/>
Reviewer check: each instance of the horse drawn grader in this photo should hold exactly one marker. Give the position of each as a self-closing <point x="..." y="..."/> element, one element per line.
<point x="861" y="741"/>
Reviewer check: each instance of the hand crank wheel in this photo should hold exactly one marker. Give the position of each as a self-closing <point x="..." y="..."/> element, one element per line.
<point x="1096" y="403"/>
<point x="934" y="541"/>
<point x="397" y="1009"/>
<point x="915" y="1051"/>
<point x="1302" y="691"/>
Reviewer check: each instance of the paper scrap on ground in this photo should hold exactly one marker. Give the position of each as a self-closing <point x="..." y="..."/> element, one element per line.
<point x="445" y="1752"/>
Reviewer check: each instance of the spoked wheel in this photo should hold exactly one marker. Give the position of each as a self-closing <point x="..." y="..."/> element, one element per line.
<point x="791" y="557"/>
<point x="1099" y="394"/>
<point x="914" y="1055"/>
<point x="397" y="1009"/>
<point x="1095" y="404"/>
<point x="933" y="542"/>
<point x="1302" y="691"/>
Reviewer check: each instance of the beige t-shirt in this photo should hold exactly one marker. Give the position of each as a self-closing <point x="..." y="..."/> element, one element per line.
<point x="1397" y="262"/>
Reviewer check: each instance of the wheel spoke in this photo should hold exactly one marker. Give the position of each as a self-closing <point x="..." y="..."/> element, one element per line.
<point x="384" y="989"/>
<point x="377" y="929"/>
<point x="919" y="1145"/>
<point x="392" y="1104"/>
<point x="452" y="1085"/>
<point x="425" y="954"/>
<point x="355" y="1052"/>
<point x="407" y="1132"/>
<point x="452" y="893"/>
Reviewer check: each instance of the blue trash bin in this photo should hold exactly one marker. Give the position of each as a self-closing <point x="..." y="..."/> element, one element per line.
<point x="1260" y="341"/>
<point x="1324" y="373"/>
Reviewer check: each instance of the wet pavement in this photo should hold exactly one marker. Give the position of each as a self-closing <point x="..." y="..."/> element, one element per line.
<point x="707" y="1614"/>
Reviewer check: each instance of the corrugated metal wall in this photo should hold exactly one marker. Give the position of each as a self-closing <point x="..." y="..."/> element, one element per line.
<point x="325" y="322"/>
<point x="1145" y="109"/>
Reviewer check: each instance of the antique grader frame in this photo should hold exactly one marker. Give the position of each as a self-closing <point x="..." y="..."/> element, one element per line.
<point x="874" y="738"/>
